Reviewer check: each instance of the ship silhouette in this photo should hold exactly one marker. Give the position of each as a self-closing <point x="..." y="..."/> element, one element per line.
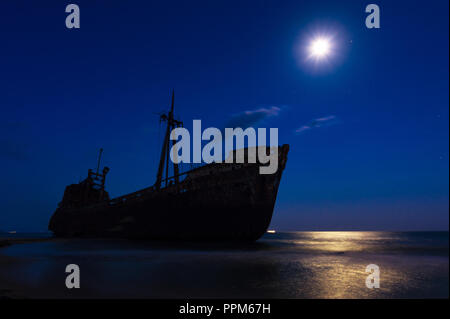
<point x="217" y="201"/>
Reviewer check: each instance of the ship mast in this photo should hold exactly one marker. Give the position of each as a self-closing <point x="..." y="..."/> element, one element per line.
<point x="99" y="159"/>
<point x="164" y="159"/>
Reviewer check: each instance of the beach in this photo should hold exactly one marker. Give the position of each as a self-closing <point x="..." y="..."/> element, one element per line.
<point x="279" y="265"/>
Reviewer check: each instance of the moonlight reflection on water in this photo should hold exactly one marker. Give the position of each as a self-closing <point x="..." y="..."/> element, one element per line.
<point x="280" y="265"/>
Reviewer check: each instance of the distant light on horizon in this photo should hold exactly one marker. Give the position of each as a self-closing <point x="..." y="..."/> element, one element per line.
<point x="271" y="231"/>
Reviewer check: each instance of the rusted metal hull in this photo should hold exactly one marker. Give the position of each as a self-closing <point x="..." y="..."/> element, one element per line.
<point x="215" y="202"/>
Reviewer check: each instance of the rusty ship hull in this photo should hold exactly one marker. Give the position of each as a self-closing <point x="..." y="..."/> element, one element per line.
<point x="230" y="200"/>
<point x="218" y="201"/>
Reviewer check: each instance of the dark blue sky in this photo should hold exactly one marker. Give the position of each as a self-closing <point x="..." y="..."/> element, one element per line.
<point x="381" y="164"/>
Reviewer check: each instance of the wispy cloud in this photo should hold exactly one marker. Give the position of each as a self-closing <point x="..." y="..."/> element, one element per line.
<point x="250" y="118"/>
<point x="319" y="122"/>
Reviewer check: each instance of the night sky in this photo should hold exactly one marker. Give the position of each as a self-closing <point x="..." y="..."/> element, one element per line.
<point x="368" y="127"/>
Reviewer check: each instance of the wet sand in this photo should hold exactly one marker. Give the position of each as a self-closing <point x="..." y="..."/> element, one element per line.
<point x="9" y="288"/>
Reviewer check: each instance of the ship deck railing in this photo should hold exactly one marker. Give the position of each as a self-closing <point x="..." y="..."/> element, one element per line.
<point x="171" y="185"/>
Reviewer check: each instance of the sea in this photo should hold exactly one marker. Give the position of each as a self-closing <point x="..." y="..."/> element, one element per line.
<point x="279" y="265"/>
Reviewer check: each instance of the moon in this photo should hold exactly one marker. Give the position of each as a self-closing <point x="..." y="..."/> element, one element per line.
<point x="320" y="48"/>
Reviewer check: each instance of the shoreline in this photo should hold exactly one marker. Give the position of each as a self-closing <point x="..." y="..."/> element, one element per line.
<point x="5" y="242"/>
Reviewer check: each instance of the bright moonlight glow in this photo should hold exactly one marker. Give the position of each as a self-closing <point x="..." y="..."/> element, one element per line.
<point x="320" y="48"/>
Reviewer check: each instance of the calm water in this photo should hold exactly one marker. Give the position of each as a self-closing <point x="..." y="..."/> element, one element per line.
<point x="281" y="265"/>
